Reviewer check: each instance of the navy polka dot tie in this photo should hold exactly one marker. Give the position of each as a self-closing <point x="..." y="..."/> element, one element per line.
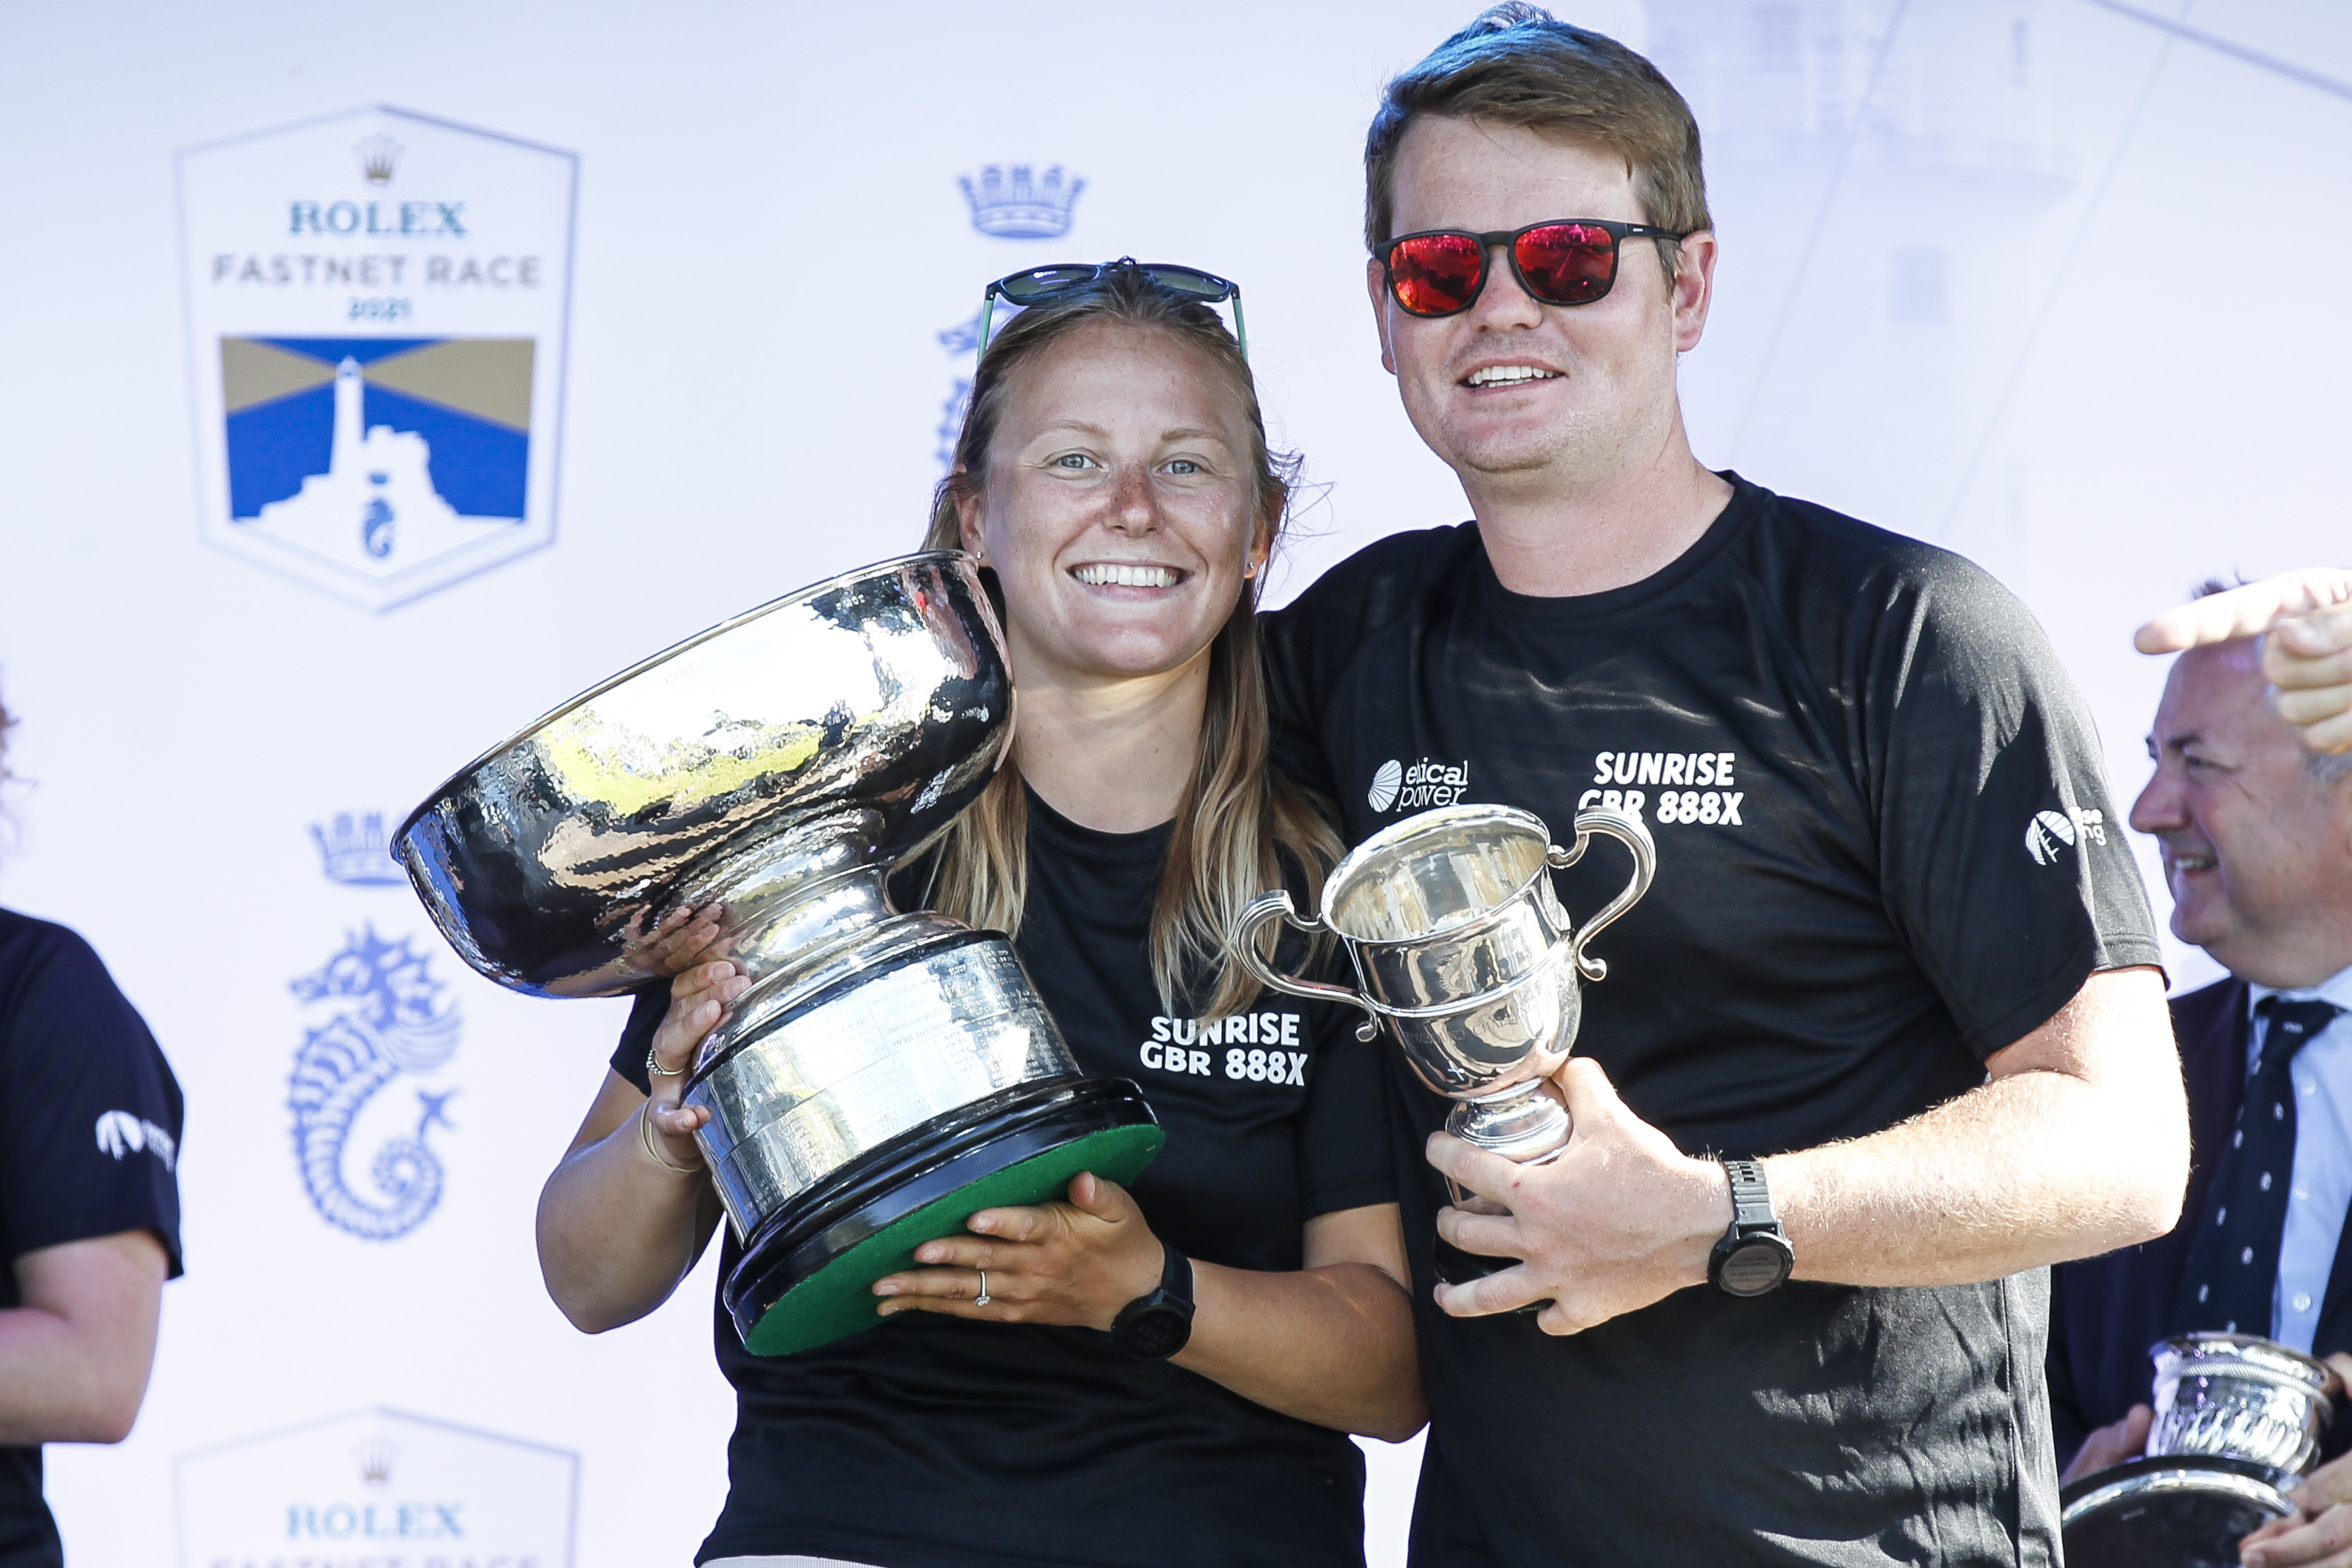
<point x="2233" y="1263"/>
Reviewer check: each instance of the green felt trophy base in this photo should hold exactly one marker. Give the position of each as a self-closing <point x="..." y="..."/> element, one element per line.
<point x="806" y="1276"/>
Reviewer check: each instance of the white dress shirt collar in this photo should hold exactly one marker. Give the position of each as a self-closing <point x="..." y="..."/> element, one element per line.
<point x="2337" y="988"/>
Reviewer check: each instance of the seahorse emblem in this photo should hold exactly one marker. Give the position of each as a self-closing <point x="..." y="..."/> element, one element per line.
<point x="396" y="1023"/>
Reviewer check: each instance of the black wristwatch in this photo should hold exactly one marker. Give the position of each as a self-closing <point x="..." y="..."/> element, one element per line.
<point x="1754" y="1256"/>
<point x="1155" y="1327"/>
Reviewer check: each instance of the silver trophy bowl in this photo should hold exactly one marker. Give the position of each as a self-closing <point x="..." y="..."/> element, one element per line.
<point x="2239" y="1397"/>
<point x="886" y="1073"/>
<point x="1462" y="953"/>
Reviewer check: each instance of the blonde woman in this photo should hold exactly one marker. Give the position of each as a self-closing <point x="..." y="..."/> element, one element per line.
<point x="1113" y="478"/>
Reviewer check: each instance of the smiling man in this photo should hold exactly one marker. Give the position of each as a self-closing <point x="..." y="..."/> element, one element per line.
<point x="1894" y="986"/>
<point x="2256" y="836"/>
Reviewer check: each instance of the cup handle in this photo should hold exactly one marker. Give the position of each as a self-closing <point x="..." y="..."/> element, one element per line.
<point x="1634" y="835"/>
<point x="1267" y="906"/>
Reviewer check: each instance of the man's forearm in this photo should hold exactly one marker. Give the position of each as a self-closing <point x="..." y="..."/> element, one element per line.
<point x="1994" y="1182"/>
<point x="2038" y="1167"/>
<point x="2078" y="1144"/>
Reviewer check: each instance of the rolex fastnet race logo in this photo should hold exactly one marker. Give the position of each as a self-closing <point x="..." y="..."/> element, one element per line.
<point x="376" y="311"/>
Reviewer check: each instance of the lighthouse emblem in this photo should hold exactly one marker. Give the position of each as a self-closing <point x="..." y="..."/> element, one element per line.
<point x="377" y="496"/>
<point x="372" y="483"/>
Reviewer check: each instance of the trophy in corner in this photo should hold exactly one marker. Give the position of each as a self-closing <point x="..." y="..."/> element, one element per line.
<point x="2238" y="1424"/>
<point x="886" y="1074"/>
<point x="1461" y="951"/>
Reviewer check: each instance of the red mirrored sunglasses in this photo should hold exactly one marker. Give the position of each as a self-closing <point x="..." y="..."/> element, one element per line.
<point x="1564" y="261"/>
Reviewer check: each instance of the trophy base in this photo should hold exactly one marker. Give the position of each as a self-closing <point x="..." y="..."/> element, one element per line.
<point x="2174" y="1511"/>
<point x="806" y="1275"/>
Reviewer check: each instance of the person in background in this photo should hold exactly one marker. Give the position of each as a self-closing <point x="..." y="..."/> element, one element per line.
<point x="90" y="1211"/>
<point x="1885" y="1038"/>
<point x="2304" y="622"/>
<point x="2256" y="837"/>
<point x="1114" y="482"/>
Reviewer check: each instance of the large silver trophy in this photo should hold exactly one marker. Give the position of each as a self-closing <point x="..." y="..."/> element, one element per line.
<point x="886" y="1074"/>
<point x="2238" y="1420"/>
<point x="1461" y="951"/>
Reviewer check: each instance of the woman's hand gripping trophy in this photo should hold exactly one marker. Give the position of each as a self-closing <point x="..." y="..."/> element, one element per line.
<point x="685" y="946"/>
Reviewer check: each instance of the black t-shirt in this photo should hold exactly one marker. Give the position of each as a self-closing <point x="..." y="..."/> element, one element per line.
<point x="928" y="1442"/>
<point x="1885" y="849"/>
<point x="90" y="1133"/>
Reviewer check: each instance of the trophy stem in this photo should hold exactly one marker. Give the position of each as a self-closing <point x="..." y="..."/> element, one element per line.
<point x="1521" y="1122"/>
<point x="813" y="887"/>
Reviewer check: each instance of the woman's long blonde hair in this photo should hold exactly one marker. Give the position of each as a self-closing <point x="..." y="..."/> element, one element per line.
<point x="1239" y="820"/>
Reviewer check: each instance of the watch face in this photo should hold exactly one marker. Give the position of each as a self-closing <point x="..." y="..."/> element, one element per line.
<point x="1155" y="1334"/>
<point x="1753" y="1268"/>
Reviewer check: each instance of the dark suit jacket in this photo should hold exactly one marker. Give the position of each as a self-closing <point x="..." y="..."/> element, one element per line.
<point x="2106" y="1312"/>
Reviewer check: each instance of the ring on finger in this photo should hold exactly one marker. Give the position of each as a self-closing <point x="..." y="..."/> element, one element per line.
<point x="653" y="1066"/>
<point x="981" y="1299"/>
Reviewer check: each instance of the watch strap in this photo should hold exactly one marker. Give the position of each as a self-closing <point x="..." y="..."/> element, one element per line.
<point x="1751" y="1199"/>
<point x="1156" y="1325"/>
<point x="1754" y="1256"/>
<point x="1176" y="1276"/>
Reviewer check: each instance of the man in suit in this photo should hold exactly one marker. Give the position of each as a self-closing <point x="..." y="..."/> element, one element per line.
<point x="2256" y="837"/>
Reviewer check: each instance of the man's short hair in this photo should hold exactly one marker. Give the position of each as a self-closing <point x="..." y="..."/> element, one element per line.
<point x="2328" y="767"/>
<point x="1517" y="65"/>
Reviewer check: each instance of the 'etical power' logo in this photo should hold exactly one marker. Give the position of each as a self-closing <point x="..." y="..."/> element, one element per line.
<point x="1425" y="783"/>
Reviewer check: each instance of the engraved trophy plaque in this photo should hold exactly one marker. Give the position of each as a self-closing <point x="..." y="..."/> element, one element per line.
<point x="886" y="1074"/>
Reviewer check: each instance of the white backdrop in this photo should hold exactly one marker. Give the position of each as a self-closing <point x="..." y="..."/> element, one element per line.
<point x="2052" y="282"/>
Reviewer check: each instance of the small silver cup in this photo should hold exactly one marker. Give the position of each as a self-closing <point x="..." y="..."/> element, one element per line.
<point x="2238" y="1396"/>
<point x="1460" y="947"/>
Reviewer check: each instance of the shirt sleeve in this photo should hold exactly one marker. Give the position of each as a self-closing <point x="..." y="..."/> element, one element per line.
<point x="1344" y="1158"/>
<point x="1293" y="702"/>
<point x="89" y="1113"/>
<point x="1306" y="648"/>
<point x="2002" y="859"/>
<point x="637" y="1035"/>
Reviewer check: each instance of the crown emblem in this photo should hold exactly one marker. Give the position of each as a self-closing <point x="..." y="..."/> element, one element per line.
<point x="1021" y="207"/>
<point x="963" y="337"/>
<point x="377" y="154"/>
<point x="951" y="414"/>
<point x="355" y="853"/>
<point x="375" y="1455"/>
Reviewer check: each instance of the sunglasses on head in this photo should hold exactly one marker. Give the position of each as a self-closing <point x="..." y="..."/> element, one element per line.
<point x="1040" y="284"/>
<point x="1564" y="261"/>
